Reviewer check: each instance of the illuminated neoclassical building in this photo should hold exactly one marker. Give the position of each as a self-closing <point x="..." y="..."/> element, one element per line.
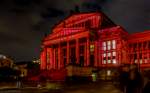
<point x="92" y="40"/>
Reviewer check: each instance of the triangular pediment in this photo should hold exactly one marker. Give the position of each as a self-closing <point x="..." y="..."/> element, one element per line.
<point x="90" y="20"/>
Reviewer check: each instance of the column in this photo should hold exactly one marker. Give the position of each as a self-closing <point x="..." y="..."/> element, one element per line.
<point x="116" y="49"/>
<point x="43" y="59"/>
<point x="137" y="52"/>
<point x="95" y="54"/>
<point x="142" y="52"/>
<point x="59" y="57"/>
<point x="54" y="63"/>
<point x="88" y="51"/>
<point x="85" y="54"/>
<point x="49" y="63"/>
<point x="77" y="51"/>
<point x="48" y="58"/>
<point x="45" y="56"/>
<point x="147" y="51"/>
<point x="100" y="62"/>
<point x="68" y="52"/>
<point x="52" y="58"/>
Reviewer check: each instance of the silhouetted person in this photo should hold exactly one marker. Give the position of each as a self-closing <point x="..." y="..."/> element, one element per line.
<point x="146" y="87"/>
<point x="124" y="75"/>
<point x="135" y="80"/>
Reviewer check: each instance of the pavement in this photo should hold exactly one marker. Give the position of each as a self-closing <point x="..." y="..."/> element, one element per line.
<point x="97" y="87"/>
<point x="100" y="87"/>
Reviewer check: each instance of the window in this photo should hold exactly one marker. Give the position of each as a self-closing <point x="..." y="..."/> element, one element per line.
<point x="104" y="45"/>
<point x="140" y="61"/>
<point x="135" y="61"/>
<point x="108" y="72"/>
<point x="108" y="54"/>
<point x="104" y="55"/>
<point x="108" y="45"/>
<point x="113" y="53"/>
<point x="109" y="61"/>
<point x="114" y="61"/>
<point x="113" y="44"/>
<point x="104" y="61"/>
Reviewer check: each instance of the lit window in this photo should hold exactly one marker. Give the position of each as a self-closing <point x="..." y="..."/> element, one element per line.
<point x="108" y="54"/>
<point x="104" y="61"/>
<point x="104" y="55"/>
<point x="113" y="44"/>
<point x="140" y="61"/>
<point x="108" y="45"/>
<point x="135" y="61"/>
<point x="114" y="61"/>
<point x="113" y="53"/>
<point x="104" y="45"/>
<point x="108" y="72"/>
<point x="109" y="61"/>
<point x="104" y="48"/>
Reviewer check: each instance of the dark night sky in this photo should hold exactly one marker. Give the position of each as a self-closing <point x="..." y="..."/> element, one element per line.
<point x="23" y="23"/>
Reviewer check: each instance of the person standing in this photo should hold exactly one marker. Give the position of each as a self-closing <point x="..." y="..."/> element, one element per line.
<point x="146" y="87"/>
<point x="134" y="81"/>
<point x="124" y="74"/>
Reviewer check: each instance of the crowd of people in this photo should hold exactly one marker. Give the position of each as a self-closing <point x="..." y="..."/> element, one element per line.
<point x="133" y="81"/>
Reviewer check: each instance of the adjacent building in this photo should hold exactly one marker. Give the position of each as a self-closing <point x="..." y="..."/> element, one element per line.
<point x="6" y="61"/>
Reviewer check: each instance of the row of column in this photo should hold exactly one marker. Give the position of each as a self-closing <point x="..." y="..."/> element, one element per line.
<point x="140" y="52"/>
<point x="53" y="58"/>
<point x="140" y="46"/>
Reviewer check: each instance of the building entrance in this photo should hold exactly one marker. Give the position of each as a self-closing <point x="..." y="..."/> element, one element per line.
<point x="81" y="59"/>
<point x="72" y="55"/>
<point x="64" y="53"/>
<point x="91" y="60"/>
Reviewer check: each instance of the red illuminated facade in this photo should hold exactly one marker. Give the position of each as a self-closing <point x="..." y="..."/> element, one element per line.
<point x="93" y="40"/>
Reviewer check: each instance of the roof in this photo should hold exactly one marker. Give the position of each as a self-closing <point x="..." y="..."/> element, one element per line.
<point x="140" y="36"/>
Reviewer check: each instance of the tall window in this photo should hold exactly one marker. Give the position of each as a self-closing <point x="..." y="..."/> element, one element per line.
<point x="108" y="45"/>
<point x="109" y="61"/>
<point x="114" y="53"/>
<point x="135" y="61"/>
<point x="113" y="44"/>
<point x="114" y="61"/>
<point x="141" y="61"/>
<point x="104" y="55"/>
<point x="104" y="61"/>
<point x="109" y="54"/>
<point x="104" y="45"/>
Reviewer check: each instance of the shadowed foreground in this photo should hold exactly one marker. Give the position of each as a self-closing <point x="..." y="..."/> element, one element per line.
<point x="101" y="87"/>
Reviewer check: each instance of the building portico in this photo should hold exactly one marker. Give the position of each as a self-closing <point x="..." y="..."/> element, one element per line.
<point x="65" y="52"/>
